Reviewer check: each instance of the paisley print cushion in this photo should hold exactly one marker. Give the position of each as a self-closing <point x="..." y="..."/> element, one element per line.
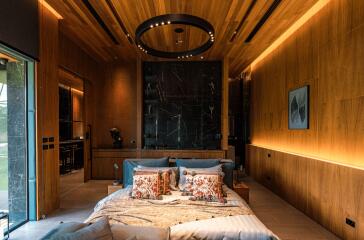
<point x="172" y="170"/>
<point x="183" y="171"/>
<point x="166" y="175"/>
<point x="146" y="185"/>
<point x="208" y="187"/>
<point x="188" y="185"/>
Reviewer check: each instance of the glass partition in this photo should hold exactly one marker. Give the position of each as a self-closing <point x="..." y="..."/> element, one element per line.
<point x="13" y="137"/>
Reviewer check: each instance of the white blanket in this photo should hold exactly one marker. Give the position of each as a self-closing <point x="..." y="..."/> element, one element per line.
<point x="243" y="227"/>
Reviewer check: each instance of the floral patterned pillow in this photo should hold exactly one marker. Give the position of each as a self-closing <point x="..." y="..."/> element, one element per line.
<point x="188" y="185"/>
<point x="146" y="185"/>
<point x="167" y="177"/>
<point x="208" y="187"/>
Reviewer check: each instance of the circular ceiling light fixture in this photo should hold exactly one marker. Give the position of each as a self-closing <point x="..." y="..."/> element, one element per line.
<point x="167" y="19"/>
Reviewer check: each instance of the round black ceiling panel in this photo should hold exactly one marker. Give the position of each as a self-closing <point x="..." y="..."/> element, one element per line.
<point x="182" y="19"/>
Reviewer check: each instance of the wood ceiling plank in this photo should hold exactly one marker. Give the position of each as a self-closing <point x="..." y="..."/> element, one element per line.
<point x="224" y="15"/>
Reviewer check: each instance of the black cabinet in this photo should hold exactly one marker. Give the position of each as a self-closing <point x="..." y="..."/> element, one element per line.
<point x="71" y="156"/>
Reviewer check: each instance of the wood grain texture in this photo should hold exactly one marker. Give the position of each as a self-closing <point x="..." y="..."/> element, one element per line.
<point x="325" y="191"/>
<point x="225" y="106"/>
<point x="116" y="104"/>
<point x="225" y="16"/>
<point x="326" y="54"/>
<point x="104" y="159"/>
<point x="200" y="154"/>
<point x="47" y="114"/>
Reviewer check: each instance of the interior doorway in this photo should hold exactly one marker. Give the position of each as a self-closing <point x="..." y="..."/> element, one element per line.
<point x="72" y="131"/>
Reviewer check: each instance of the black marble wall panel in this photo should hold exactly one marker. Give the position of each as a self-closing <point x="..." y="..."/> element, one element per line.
<point x="182" y="105"/>
<point x="17" y="157"/>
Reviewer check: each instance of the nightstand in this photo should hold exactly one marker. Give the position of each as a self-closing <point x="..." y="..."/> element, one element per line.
<point x="242" y="189"/>
<point x="113" y="188"/>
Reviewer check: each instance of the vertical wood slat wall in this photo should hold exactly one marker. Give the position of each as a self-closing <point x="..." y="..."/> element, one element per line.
<point x="327" y="54"/>
<point x="325" y="191"/>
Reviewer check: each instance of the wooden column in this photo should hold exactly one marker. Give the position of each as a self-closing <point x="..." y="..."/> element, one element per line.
<point x="225" y="105"/>
<point x="47" y="115"/>
<point x="139" y="140"/>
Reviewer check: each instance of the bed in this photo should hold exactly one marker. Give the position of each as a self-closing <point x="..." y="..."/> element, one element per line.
<point x="183" y="218"/>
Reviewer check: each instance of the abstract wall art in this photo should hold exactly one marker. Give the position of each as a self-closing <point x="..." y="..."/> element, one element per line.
<point x="298" y="108"/>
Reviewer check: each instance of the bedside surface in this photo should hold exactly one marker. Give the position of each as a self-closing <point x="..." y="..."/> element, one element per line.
<point x="113" y="188"/>
<point x="242" y="189"/>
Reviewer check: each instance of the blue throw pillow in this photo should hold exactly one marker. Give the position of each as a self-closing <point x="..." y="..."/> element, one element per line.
<point x="197" y="163"/>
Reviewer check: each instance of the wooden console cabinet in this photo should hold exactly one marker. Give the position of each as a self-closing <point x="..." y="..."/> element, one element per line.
<point x="103" y="162"/>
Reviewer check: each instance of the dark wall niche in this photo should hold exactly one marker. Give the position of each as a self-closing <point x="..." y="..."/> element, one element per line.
<point x="182" y="105"/>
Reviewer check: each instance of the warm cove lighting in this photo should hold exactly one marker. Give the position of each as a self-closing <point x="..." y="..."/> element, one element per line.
<point x="52" y="10"/>
<point x="295" y="26"/>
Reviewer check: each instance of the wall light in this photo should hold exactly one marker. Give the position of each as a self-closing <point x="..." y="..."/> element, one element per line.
<point x="51" y="9"/>
<point x="295" y="26"/>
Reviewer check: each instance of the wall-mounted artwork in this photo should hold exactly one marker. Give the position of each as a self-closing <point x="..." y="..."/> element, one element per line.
<point x="298" y="108"/>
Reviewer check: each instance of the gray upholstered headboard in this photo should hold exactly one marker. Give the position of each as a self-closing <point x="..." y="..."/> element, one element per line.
<point x="129" y="165"/>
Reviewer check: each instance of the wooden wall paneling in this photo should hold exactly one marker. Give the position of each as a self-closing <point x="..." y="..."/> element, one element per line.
<point x="139" y="105"/>
<point x="116" y="104"/>
<point x="104" y="159"/>
<point x="47" y="115"/>
<point x="325" y="54"/>
<point x="201" y="154"/>
<point x="225" y="106"/>
<point x="325" y="191"/>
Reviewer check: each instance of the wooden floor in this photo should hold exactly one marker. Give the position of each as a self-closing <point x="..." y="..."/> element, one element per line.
<point x="78" y="200"/>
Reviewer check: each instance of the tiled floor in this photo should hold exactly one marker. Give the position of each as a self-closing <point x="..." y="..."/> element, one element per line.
<point x="284" y="220"/>
<point x="78" y="199"/>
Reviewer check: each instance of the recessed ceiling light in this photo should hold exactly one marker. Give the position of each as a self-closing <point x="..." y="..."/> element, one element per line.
<point x="201" y="57"/>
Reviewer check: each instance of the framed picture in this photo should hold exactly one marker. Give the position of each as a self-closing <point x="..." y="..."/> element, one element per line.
<point x="298" y="108"/>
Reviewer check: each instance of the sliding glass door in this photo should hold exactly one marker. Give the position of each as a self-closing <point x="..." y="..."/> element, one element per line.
<point x="13" y="137"/>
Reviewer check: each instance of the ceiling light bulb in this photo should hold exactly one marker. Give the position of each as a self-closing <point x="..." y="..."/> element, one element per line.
<point x="156" y="24"/>
<point x="162" y="23"/>
<point x="190" y="55"/>
<point x="169" y="22"/>
<point x="151" y="26"/>
<point x="201" y="57"/>
<point x="183" y="56"/>
<point x="210" y="33"/>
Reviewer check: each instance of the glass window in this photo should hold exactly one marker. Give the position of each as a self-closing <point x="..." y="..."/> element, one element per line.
<point x="13" y="138"/>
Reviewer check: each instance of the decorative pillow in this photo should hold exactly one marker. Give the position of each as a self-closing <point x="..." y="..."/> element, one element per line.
<point x="188" y="186"/>
<point x="208" y="187"/>
<point x="173" y="171"/>
<point x="146" y="185"/>
<point x="183" y="172"/>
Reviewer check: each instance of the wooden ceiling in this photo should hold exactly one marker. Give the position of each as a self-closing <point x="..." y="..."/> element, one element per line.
<point x="122" y="17"/>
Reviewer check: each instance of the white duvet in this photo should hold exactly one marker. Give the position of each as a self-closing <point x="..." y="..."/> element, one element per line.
<point x="243" y="227"/>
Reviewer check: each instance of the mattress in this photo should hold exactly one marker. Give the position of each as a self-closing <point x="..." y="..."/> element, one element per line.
<point x="234" y="220"/>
